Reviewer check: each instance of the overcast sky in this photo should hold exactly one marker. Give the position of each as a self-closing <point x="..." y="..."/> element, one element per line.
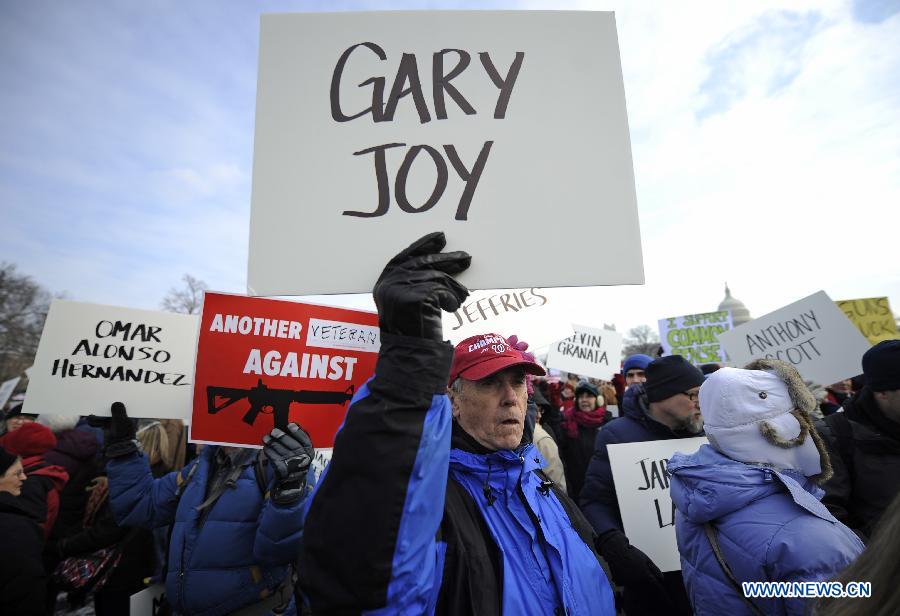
<point x="766" y="143"/>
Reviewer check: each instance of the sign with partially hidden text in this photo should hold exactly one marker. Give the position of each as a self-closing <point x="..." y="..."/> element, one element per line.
<point x="263" y="362"/>
<point x="589" y="352"/>
<point x="534" y="315"/>
<point x="812" y="334"/>
<point x="92" y="355"/>
<point x="148" y="602"/>
<point x="6" y="390"/>
<point x="695" y="336"/>
<point x="375" y="128"/>
<point x="642" y="489"/>
<point x="872" y="316"/>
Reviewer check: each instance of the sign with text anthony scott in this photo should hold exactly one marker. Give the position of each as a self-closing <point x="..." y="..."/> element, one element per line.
<point x="812" y="334"/>
<point x="91" y="356"/>
<point x="373" y="129"/>
<point x="264" y="362"/>
<point x="642" y="489"/>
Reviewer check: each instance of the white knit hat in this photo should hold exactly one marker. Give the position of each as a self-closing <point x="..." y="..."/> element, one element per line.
<point x="760" y="415"/>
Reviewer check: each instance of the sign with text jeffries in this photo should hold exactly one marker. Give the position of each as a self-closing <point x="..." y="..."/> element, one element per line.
<point x="373" y="129"/>
<point x="872" y="316"/>
<point x="589" y="352"/>
<point x="695" y="336"/>
<point x="534" y="315"/>
<point x="642" y="489"/>
<point x="812" y="334"/>
<point x="263" y="362"/>
<point x="91" y="355"/>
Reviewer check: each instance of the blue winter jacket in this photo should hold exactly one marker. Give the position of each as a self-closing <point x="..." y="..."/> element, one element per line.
<point x="381" y="533"/>
<point x="771" y="528"/>
<point x="231" y="555"/>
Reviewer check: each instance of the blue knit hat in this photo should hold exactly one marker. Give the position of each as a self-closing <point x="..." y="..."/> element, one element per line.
<point x="638" y="361"/>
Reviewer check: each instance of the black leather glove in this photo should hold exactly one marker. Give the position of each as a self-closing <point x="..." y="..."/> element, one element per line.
<point x="118" y="431"/>
<point x="416" y="284"/>
<point x="290" y="454"/>
<point x="630" y="567"/>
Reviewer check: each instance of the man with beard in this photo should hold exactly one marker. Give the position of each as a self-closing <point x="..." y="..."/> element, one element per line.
<point x="864" y="441"/>
<point x="665" y="407"/>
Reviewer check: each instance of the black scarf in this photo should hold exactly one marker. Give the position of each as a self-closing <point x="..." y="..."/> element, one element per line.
<point x="863" y="408"/>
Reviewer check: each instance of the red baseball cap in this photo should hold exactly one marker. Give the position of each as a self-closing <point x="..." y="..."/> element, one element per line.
<point x="480" y="356"/>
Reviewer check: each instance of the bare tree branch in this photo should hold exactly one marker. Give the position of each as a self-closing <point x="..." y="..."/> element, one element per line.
<point x="186" y="300"/>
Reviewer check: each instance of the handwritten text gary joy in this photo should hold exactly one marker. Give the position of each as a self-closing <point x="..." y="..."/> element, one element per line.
<point x="407" y="83"/>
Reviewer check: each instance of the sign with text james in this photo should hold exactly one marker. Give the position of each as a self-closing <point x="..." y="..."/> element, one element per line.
<point x="92" y="355"/>
<point x="373" y="129"/>
<point x="872" y="316"/>
<point x="642" y="489"/>
<point x="812" y="334"/>
<point x="589" y="352"/>
<point x="534" y="315"/>
<point x="695" y="336"/>
<point x="263" y="362"/>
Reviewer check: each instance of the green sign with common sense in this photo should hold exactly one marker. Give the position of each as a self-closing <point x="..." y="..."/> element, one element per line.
<point x="695" y="336"/>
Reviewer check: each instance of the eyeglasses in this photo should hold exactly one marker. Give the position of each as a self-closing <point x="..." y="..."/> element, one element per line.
<point x="693" y="397"/>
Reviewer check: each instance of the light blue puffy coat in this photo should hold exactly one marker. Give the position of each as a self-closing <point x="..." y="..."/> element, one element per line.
<point x="771" y="528"/>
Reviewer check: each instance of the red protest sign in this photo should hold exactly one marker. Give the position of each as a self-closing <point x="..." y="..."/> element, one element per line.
<point x="264" y="362"/>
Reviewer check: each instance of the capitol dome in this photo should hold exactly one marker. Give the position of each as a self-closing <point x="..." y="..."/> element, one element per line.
<point x="739" y="312"/>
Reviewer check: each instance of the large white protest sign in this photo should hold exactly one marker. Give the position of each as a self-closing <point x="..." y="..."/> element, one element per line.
<point x="534" y="315"/>
<point x="695" y="336"/>
<point x="642" y="489"/>
<point x="373" y="129"/>
<point x="812" y="334"/>
<point x="148" y="602"/>
<point x="6" y="390"/>
<point x="589" y="352"/>
<point x="92" y="355"/>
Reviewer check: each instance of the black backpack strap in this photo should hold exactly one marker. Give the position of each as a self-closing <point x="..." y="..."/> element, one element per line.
<point x="843" y="433"/>
<point x="259" y="470"/>
<point x="714" y="542"/>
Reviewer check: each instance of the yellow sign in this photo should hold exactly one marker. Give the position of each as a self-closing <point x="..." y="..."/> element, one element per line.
<point x="873" y="317"/>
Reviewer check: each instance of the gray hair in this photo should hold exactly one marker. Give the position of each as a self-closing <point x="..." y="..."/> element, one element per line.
<point x="456" y="386"/>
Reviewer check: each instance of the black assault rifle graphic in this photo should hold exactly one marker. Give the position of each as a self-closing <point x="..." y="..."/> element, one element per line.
<point x="277" y="401"/>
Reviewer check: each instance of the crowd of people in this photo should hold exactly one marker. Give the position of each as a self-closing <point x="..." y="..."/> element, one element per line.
<point x="468" y="480"/>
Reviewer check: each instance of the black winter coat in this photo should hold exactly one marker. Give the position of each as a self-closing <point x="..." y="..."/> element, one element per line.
<point x="865" y="454"/>
<point x="576" y="455"/>
<point x="76" y="452"/>
<point x="23" y="583"/>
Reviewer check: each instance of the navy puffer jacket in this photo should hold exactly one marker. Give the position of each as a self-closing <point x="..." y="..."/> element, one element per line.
<point x="232" y="555"/>
<point x="598" y="496"/>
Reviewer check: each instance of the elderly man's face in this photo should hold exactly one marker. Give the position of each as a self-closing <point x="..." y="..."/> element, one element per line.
<point x="492" y="410"/>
